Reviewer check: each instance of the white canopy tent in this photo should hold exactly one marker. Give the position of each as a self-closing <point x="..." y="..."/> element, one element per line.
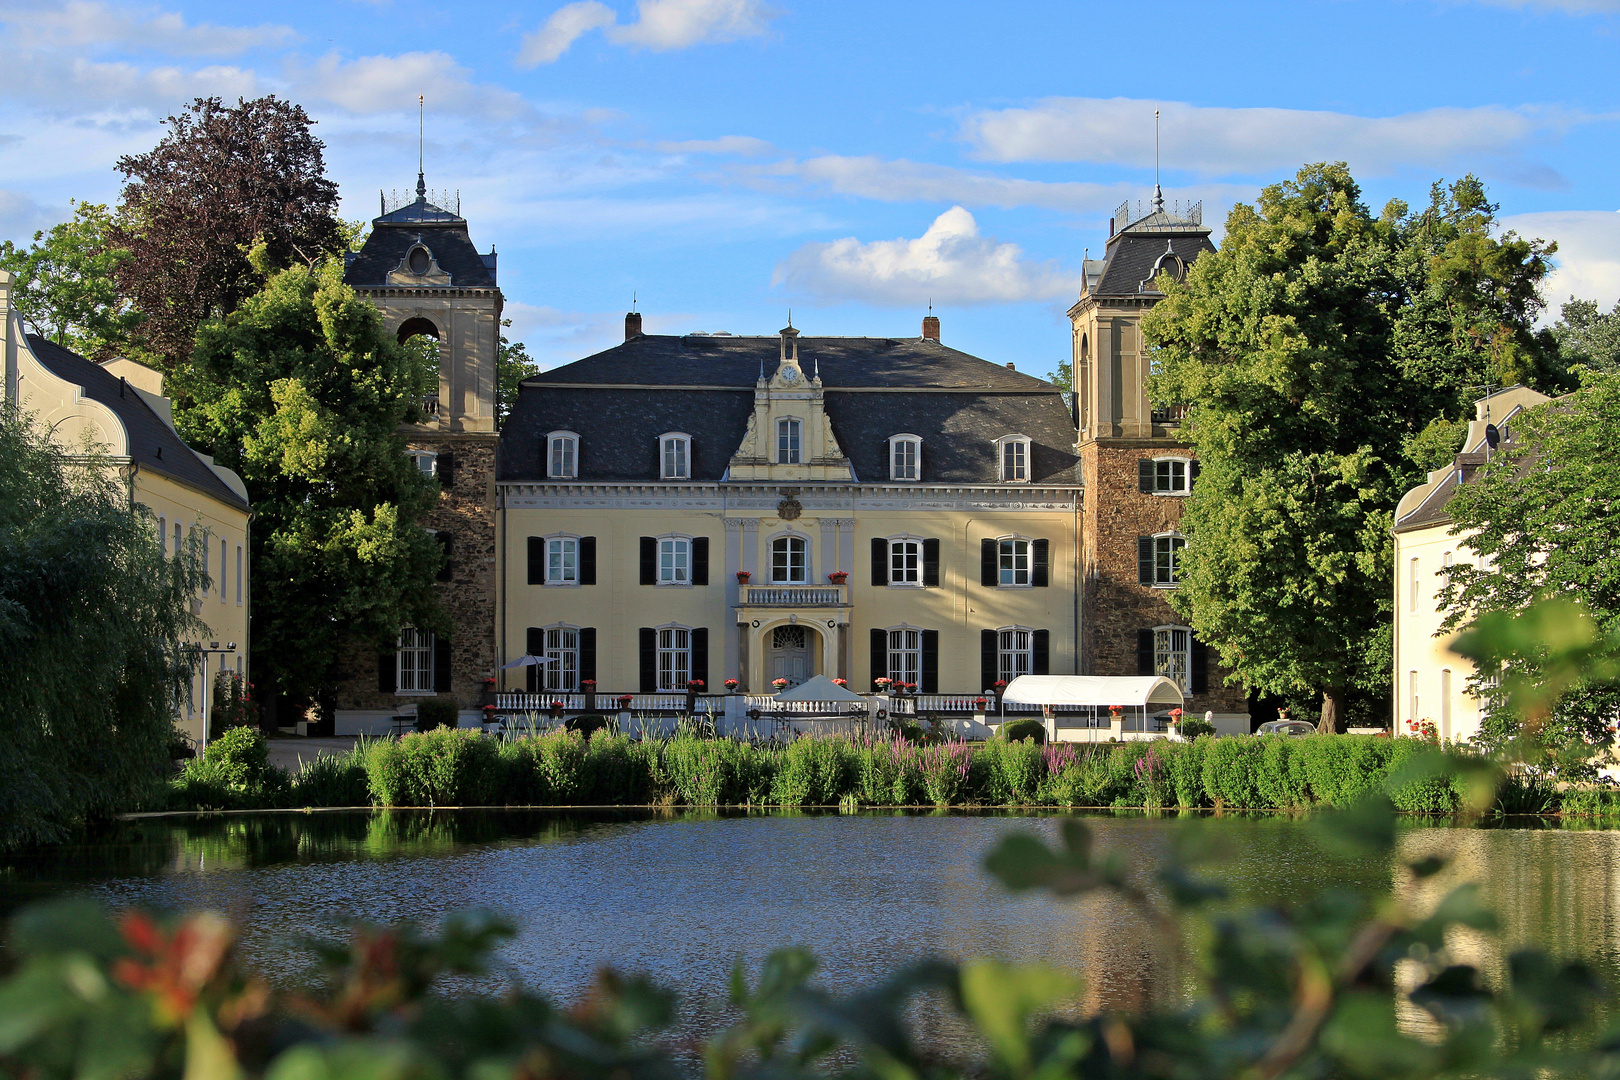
<point x="1138" y="697"/>
<point x="818" y="688"/>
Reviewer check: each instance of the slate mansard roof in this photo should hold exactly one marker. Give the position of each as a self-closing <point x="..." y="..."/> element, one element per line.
<point x="619" y="401"/>
<point x="153" y="444"/>
<point x="1128" y="267"/>
<point x="441" y="232"/>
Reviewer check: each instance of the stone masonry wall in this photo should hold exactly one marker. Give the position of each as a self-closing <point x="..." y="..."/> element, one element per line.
<point x="467" y="512"/>
<point x="1115" y="606"/>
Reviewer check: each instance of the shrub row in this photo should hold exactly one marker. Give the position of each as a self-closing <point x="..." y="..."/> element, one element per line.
<point x="449" y="767"/>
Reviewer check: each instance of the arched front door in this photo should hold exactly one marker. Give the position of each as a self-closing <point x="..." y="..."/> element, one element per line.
<point x="789" y="654"/>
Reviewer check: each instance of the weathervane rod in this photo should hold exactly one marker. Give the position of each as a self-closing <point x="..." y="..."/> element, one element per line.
<point x="1155" y="147"/>
<point x="421" y="127"/>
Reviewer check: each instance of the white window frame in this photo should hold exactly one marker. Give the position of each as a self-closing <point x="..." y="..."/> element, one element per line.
<point x="238" y="575"/>
<point x="1007" y="562"/>
<point x="1015" y="652"/>
<point x="905" y="445"/>
<point x="1013" y="457"/>
<point x="1412" y="587"/>
<point x="560" y="562"/>
<point x="1172" y="655"/>
<point x="898" y="557"/>
<point x="562" y="455"/>
<point x="1164" y="481"/>
<point x="905" y="654"/>
<point x="426" y="462"/>
<point x="808" y="570"/>
<point x="675" y="455"/>
<point x="413" y="662"/>
<point x="561" y="677"/>
<point x="674" y="660"/>
<point x="224" y="566"/>
<point x="789" y="441"/>
<point x="1171" y="556"/>
<point x="679" y="564"/>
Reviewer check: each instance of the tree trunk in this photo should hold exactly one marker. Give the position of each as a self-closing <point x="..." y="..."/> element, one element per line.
<point x="1332" y="722"/>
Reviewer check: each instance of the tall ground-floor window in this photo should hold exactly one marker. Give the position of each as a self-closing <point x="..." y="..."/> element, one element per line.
<point x="1172" y="655"/>
<point x="674" y="658"/>
<point x="562" y="647"/>
<point x="415" y="660"/>
<point x="1014" y="654"/>
<point x="905" y="656"/>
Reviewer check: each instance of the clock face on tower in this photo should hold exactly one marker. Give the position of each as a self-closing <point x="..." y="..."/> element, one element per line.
<point x="790" y="374"/>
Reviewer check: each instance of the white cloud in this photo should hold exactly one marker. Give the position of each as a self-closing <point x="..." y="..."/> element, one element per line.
<point x="382" y="84"/>
<point x="21" y="216"/>
<point x="661" y="25"/>
<point x="873" y="177"/>
<point x="1572" y="7"/>
<point x="951" y="263"/>
<point x="559" y="32"/>
<point x="1227" y="141"/>
<point x="1587" y="265"/>
<point x="90" y="23"/>
<point x="733" y="145"/>
<point x="61" y="85"/>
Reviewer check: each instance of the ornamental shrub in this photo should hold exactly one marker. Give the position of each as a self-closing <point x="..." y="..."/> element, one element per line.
<point x="1019" y="730"/>
<point x="1434" y="794"/>
<point x="1187" y="771"/>
<point x="240" y="758"/>
<point x="443" y="767"/>
<point x="711" y="772"/>
<point x="1153" y="778"/>
<point x="814" y="771"/>
<point x="621" y="768"/>
<point x="437" y="712"/>
<point x="888" y="772"/>
<point x="562" y="767"/>
<point x="333" y="780"/>
<point x="1231" y="771"/>
<point x="1342" y="768"/>
<point x="946" y="768"/>
<point x="1191" y="727"/>
<point x="1019" y="768"/>
<point x="1280" y="776"/>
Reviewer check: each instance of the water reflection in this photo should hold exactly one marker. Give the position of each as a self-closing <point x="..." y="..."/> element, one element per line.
<point x="683" y="895"/>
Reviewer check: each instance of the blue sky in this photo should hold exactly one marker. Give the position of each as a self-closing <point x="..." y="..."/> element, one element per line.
<point x="725" y="160"/>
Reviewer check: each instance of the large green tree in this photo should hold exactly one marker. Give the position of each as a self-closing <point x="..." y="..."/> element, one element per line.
<point x="1313" y="346"/>
<point x="513" y="364"/>
<point x="1541" y="520"/>
<point x="223" y="180"/>
<point x="64" y="284"/>
<point x="92" y="617"/>
<point x="302" y="392"/>
<point x="1587" y="335"/>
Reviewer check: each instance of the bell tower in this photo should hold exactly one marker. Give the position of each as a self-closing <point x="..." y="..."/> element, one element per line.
<point x="789" y="438"/>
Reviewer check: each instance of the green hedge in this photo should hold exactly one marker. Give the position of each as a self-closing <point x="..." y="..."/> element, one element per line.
<point x="451" y="767"/>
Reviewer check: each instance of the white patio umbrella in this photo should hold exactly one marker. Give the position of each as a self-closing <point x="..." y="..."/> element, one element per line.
<point x="529" y="660"/>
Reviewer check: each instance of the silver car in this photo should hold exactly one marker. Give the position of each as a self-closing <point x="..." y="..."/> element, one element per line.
<point x="1286" y="727"/>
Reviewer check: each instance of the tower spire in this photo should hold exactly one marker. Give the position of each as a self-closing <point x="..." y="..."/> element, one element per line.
<point x="421" y="123"/>
<point x="1158" y="192"/>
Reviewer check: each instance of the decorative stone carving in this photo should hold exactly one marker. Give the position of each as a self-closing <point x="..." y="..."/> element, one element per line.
<point x="789" y="508"/>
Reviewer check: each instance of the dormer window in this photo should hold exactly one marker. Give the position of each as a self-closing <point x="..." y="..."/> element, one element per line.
<point x="675" y="455"/>
<point x="1013" y="452"/>
<point x="905" y="457"/>
<point x="420" y="260"/>
<point x="789" y="436"/>
<point x="562" y="455"/>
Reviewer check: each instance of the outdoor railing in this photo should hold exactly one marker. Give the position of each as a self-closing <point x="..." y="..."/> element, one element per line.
<point x="793" y="595"/>
<point x="517" y="701"/>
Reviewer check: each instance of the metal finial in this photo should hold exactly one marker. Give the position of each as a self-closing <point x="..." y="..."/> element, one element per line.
<point x="421" y="127"/>
<point x="632" y="299"/>
<point x="790" y="316"/>
<point x="1158" y="192"/>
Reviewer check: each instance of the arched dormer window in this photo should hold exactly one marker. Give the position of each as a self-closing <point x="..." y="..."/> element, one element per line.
<point x="562" y="455"/>
<point x="789" y="441"/>
<point x="675" y="456"/>
<point x="905" y="457"/>
<point x="1012" y="455"/>
<point x="419" y="259"/>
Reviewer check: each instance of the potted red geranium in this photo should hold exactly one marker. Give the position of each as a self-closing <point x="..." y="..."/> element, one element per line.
<point x="743" y="576"/>
<point x="731" y="686"/>
<point x="838" y="577"/>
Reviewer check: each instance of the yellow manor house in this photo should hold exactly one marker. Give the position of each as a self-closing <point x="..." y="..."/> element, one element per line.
<point x="119" y="408"/>
<point x="714" y="508"/>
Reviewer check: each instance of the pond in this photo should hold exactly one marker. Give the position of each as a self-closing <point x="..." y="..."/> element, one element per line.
<point x="681" y="896"/>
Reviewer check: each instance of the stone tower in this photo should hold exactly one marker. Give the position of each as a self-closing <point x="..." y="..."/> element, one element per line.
<point x="1136" y="470"/>
<point x="420" y="268"/>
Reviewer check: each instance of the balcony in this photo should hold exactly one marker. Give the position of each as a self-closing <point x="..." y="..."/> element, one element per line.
<point x="1169" y="415"/>
<point x="794" y="596"/>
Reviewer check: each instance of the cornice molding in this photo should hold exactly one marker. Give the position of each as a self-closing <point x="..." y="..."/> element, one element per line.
<point x="762" y="500"/>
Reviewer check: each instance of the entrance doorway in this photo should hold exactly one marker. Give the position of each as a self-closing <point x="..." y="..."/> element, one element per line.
<point x="790" y="654"/>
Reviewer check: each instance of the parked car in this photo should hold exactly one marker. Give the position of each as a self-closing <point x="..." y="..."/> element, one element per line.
<point x="1286" y="727"/>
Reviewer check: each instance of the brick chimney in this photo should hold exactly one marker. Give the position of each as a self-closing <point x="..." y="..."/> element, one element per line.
<point x="632" y="325"/>
<point x="931" y="327"/>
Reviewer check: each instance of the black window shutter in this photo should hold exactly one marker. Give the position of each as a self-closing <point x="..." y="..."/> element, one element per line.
<point x="931" y="562"/>
<point x="537" y="560"/>
<point x="1200" y="667"/>
<point x="880" y="657"/>
<point x="1144" y="560"/>
<point x="1040" y="558"/>
<point x="700" y="560"/>
<point x="989" y="669"/>
<point x="445" y="542"/>
<point x="1144" y="475"/>
<point x="880" y="562"/>
<point x="700" y="656"/>
<point x="387" y="672"/>
<point x="587" y="653"/>
<point x="447" y="469"/>
<point x="649" y="560"/>
<point x="1192" y="475"/>
<point x="930" y="662"/>
<point x="534" y="645"/>
<point x="1144" y="653"/>
<point x="441" y="664"/>
<point x="587" y="560"/>
<point x="987" y="563"/>
<point x="1040" y="661"/>
<point x="649" y="660"/>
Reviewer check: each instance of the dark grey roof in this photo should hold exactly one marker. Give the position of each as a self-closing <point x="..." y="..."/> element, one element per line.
<point x="153" y="444"/>
<point x="619" y="424"/>
<point x="1128" y="265"/>
<point x="443" y="233"/>
<point x="704" y="360"/>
